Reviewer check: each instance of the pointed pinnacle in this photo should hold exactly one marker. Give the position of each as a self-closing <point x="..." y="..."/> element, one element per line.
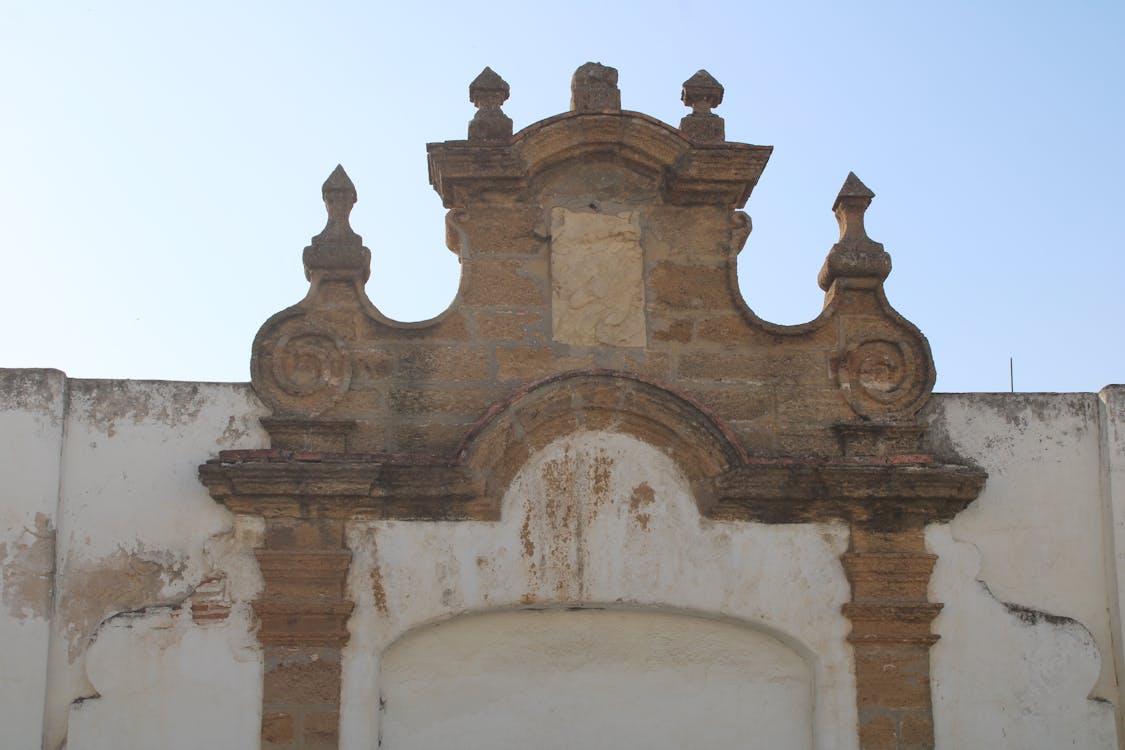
<point x="853" y="188"/>
<point x="339" y="183"/>
<point x="337" y="251"/>
<point x="855" y="255"/>
<point x="488" y="88"/>
<point x="338" y="180"/>
<point x="339" y="195"/>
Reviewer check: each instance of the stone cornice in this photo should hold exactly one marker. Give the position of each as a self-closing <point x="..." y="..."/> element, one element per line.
<point x="303" y="485"/>
<point x="690" y="173"/>
<point x="877" y="491"/>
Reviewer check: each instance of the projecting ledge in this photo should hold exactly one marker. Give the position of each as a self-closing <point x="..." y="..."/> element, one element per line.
<point x="281" y="484"/>
<point x="887" y="493"/>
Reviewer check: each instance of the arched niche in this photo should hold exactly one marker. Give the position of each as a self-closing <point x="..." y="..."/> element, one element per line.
<point x="602" y="521"/>
<point x="600" y="400"/>
<point x="594" y="678"/>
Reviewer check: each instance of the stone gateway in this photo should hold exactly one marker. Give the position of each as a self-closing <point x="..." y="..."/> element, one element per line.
<point x="596" y="503"/>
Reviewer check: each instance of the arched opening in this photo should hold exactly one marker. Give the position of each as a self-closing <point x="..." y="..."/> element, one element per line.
<point x="594" y="678"/>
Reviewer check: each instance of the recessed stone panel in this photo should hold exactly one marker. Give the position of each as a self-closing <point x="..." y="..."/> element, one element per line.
<point x="597" y="278"/>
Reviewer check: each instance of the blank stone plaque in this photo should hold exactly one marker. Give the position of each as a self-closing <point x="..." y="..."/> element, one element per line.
<point x="597" y="278"/>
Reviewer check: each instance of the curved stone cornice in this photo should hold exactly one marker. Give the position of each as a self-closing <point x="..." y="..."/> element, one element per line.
<point x="599" y="400"/>
<point x="689" y="173"/>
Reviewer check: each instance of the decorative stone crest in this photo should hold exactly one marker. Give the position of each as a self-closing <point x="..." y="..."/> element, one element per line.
<point x="338" y="252"/>
<point x="594" y="89"/>
<point x="599" y="292"/>
<point x="855" y="255"/>
<point x="488" y="92"/>
<point x="703" y="93"/>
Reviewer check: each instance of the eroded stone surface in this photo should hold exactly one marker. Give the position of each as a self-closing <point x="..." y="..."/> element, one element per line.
<point x="597" y="278"/>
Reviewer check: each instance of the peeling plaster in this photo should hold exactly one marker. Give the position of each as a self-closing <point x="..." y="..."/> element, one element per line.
<point x="1032" y="671"/>
<point x="28" y="570"/>
<point x="125" y="581"/>
<point x="103" y="403"/>
<point x="1039" y="521"/>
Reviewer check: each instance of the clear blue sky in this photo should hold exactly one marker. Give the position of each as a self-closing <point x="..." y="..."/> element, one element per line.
<point x="161" y="163"/>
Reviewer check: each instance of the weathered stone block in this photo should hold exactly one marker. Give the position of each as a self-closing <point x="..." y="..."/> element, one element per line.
<point x="597" y="278"/>
<point x="489" y="281"/>
<point x="683" y="286"/>
<point x="878" y="733"/>
<point x="321" y="730"/>
<point x="679" y="330"/>
<point x="892" y="678"/>
<point x="449" y="402"/>
<point x="301" y="677"/>
<point x="444" y="363"/>
<point x="278" y="730"/>
<point x="504" y="325"/>
<point x="503" y="229"/>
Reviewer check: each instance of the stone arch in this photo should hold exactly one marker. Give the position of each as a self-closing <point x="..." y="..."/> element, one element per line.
<point x="644" y="142"/>
<point x="598" y="677"/>
<point x="600" y="400"/>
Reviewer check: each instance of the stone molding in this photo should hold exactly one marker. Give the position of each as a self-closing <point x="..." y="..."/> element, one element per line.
<point x="904" y="491"/>
<point x="887" y="491"/>
<point x="283" y="484"/>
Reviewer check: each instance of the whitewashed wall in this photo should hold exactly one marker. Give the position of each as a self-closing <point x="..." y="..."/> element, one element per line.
<point x="101" y="487"/>
<point x="1024" y="578"/>
<point x="32" y="405"/>
<point x="111" y="466"/>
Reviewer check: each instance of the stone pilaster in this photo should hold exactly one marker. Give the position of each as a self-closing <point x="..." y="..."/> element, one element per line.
<point x="889" y="572"/>
<point x="302" y="616"/>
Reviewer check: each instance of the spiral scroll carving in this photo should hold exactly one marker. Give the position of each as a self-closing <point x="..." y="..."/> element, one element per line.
<point x="305" y="371"/>
<point x="884" y="377"/>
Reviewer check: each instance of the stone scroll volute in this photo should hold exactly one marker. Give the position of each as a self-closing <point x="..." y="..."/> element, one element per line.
<point x="302" y="363"/>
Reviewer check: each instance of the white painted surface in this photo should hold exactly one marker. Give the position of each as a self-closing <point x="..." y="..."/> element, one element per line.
<point x="596" y="679"/>
<point x="31" y="427"/>
<point x="1005" y="680"/>
<point x="135" y="526"/>
<point x="593" y="520"/>
<point x="1112" y="413"/>
<point x="167" y="683"/>
<point x="1039" y="522"/>
<point x="579" y="528"/>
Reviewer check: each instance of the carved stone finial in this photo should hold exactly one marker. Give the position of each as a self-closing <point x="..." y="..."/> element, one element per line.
<point x="594" y="89"/>
<point x="488" y="92"/>
<point x="339" y="197"/>
<point x="338" y="252"/>
<point x="854" y="189"/>
<point x="703" y="93"/>
<point x="855" y="255"/>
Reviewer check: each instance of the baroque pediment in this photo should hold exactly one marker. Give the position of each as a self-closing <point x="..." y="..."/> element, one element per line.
<point x="598" y="239"/>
